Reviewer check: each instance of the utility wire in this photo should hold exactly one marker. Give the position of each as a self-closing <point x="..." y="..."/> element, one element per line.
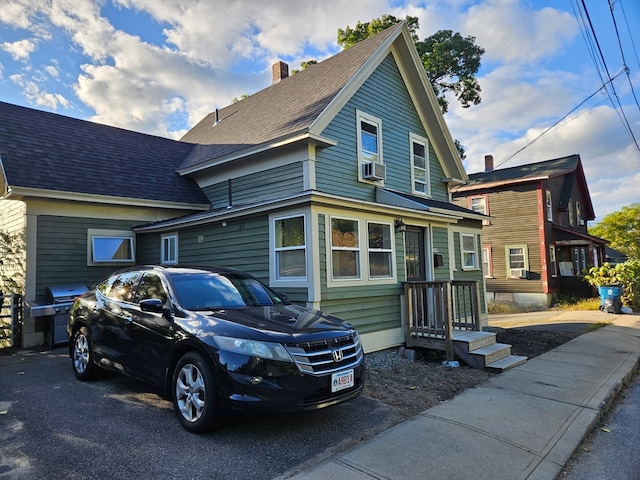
<point x="617" y="104"/>
<point x="559" y="120"/>
<point x="624" y="61"/>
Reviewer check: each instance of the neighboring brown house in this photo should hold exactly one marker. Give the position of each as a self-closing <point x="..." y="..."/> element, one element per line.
<point x="535" y="243"/>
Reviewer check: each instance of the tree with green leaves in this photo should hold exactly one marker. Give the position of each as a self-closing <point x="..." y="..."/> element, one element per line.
<point x="450" y="60"/>
<point x="622" y="229"/>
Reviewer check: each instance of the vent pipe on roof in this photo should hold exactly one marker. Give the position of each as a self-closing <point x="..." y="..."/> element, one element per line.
<point x="488" y="163"/>
<point x="216" y="118"/>
<point x="280" y="71"/>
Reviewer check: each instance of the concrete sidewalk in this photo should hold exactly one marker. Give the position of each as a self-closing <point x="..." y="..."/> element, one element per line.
<point x="522" y="424"/>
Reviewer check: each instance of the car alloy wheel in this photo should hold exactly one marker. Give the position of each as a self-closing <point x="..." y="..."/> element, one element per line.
<point x="190" y="393"/>
<point x="194" y="393"/>
<point x="82" y="364"/>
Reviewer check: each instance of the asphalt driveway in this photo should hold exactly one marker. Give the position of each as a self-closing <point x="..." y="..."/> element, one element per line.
<point x="52" y="426"/>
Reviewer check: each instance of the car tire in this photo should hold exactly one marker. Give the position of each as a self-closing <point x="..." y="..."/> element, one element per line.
<point x="194" y="393"/>
<point x="82" y="356"/>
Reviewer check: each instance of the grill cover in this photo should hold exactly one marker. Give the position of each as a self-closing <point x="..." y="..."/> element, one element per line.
<point x="63" y="293"/>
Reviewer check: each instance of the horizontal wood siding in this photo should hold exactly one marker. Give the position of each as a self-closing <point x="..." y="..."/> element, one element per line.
<point x="384" y="96"/>
<point x="369" y="308"/>
<point x="12" y="222"/>
<point x="440" y="238"/>
<point x="241" y="244"/>
<point x="274" y="182"/>
<point x="62" y="251"/>
<point x="515" y="222"/>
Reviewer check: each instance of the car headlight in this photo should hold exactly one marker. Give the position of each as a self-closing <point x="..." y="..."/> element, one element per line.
<point x="269" y="350"/>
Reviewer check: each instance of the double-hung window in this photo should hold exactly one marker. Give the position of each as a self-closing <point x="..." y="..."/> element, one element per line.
<point x="169" y="249"/>
<point x="579" y="214"/>
<point x="553" y="263"/>
<point x="369" y="146"/>
<point x="549" y="206"/>
<point x="380" y="250"/>
<point x="468" y="247"/>
<point x="480" y="204"/>
<point x="345" y="249"/>
<point x="487" y="263"/>
<point x="517" y="261"/>
<point x="290" y="248"/>
<point x="420" y="164"/>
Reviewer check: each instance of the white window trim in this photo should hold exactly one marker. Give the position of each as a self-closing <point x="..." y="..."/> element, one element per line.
<point x="553" y="260"/>
<point x="475" y="251"/>
<point x="381" y="250"/>
<point x="291" y="282"/>
<point x="93" y="233"/>
<point x="163" y="240"/>
<point x="414" y="138"/>
<point x="525" y="250"/>
<point x="487" y="250"/>
<point x="549" y="205"/>
<point x="363" y="242"/>
<point x="360" y="116"/>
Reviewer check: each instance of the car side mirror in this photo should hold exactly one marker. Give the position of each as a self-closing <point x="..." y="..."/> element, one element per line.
<point x="152" y="305"/>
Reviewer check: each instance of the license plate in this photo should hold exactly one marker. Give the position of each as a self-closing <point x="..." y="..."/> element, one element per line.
<point x="342" y="380"/>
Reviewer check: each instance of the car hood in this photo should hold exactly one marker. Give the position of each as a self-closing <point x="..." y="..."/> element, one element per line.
<point x="273" y="322"/>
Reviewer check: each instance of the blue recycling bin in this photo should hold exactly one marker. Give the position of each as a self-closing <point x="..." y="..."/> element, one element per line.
<point x="610" y="298"/>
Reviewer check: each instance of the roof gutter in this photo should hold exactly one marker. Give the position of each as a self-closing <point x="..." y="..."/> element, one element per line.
<point x="257" y="149"/>
<point x="102" y="199"/>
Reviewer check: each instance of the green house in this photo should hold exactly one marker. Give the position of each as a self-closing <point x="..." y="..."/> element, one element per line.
<point x="332" y="185"/>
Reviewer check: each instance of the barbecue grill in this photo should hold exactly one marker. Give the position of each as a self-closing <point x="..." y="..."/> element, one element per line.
<point x="58" y="302"/>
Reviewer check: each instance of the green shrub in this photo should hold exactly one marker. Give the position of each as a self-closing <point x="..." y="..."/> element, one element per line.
<point x="626" y="274"/>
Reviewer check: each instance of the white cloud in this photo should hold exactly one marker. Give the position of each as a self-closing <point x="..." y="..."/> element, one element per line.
<point x="512" y="33"/>
<point x="19" y="50"/>
<point x="53" y="71"/>
<point x="33" y="94"/>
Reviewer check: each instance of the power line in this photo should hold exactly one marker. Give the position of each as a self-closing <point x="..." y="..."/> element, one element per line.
<point x="624" y="61"/>
<point x="560" y="120"/>
<point x="617" y="104"/>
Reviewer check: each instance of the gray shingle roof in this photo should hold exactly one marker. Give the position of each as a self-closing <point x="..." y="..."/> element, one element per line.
<point x="43" y="150"/>
<point x="281" y="110"/>
<point x="531" y="171"/>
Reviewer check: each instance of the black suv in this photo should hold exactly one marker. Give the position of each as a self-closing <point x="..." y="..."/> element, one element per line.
<point x="216" y="341"/>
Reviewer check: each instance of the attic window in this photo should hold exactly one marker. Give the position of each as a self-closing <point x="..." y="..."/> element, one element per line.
<point x="369" y="140"/>
<point x="420" y="164"/>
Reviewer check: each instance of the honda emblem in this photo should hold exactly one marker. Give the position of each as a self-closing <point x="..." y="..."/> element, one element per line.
<point x="337" y="356"/>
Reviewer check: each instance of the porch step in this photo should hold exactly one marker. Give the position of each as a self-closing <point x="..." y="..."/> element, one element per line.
<point x="472" y="340"/>
<point x="480" y="350"/>
<point x="505" y="364"/>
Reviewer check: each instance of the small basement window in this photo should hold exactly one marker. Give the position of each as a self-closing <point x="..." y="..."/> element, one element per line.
<point x="110" y="246"/>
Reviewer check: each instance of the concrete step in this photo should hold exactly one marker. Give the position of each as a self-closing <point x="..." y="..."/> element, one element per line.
<point x="505" y="364"/>
<point x="469" y="340"/>
<point x="491" y="353"/>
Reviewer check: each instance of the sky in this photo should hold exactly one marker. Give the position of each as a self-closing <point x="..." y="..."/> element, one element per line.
<point x="558" y="77"/>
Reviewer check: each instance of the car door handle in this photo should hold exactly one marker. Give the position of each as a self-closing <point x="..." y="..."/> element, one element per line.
<point x="128" y="318"/>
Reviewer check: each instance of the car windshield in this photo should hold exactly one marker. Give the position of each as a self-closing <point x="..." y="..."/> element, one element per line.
<point x="213" y="291"/>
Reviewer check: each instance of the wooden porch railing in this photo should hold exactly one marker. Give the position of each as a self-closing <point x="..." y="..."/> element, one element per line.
<point x="435" y="309"/>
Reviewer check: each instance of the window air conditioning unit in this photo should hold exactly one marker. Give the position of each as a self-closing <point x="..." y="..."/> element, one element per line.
<point x="518" y="273"/>
<point x="374" y="171"/>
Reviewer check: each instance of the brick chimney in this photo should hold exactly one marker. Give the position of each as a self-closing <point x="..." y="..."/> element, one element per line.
<point x="280" y="71"/>
<point x="488" y="163"/>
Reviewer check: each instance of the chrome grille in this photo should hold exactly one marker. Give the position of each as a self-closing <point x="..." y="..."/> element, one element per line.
<point x="326" y="356"/>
